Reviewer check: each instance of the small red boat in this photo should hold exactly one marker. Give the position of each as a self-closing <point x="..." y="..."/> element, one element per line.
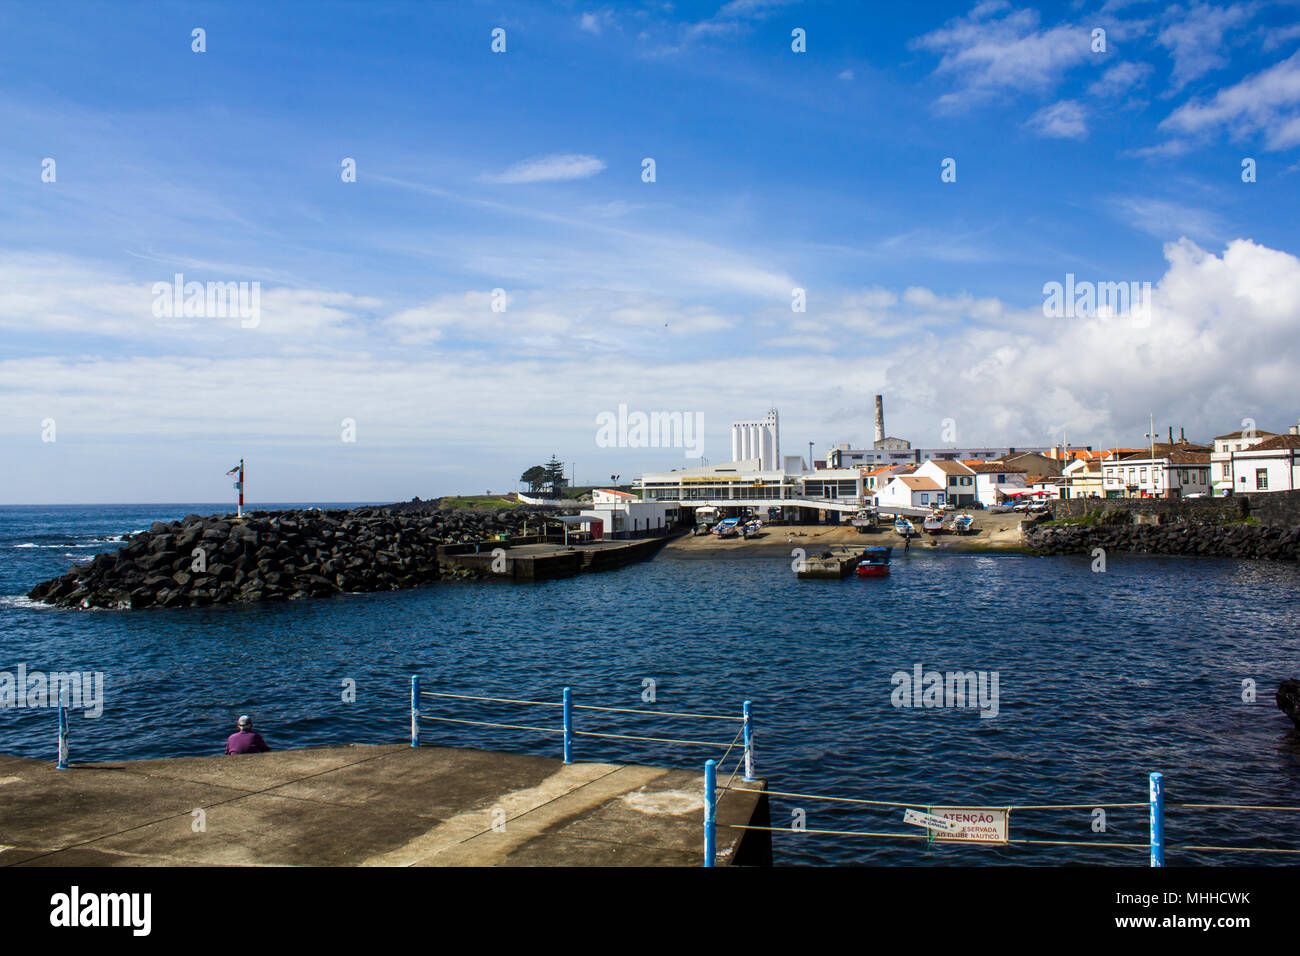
<point x="874" y="563"/>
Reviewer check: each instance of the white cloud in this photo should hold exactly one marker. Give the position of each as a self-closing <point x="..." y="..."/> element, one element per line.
<point x="549" y="169"/>
<point x="1166" y="220"/>
<point x="1121" y="78"/>
<point x="532" y="379"/>
<point x="1195" y="39"/>
<point x="1101" y="377"/>
<point x="987" y="56"/>
<point x="1265" y="103"/>
<point x="595" y="22"/>
<point x="1064" y="120"/>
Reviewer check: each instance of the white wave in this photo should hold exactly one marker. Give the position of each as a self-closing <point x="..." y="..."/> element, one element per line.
<point x="22" y="600"/>
<point x="31" y="545"/>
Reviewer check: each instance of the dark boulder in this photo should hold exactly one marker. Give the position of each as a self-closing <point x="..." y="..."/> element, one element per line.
<point x="1288" y="700"/>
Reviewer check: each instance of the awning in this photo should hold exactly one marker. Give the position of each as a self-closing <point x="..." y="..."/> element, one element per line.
<point x="573" y="519"/>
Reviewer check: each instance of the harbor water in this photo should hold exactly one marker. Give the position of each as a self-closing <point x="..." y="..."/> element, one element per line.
<point x="1101" y="677"/>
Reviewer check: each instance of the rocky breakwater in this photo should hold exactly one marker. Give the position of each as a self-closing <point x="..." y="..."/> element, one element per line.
<point x="1221" y="541"/>
<point x="269" y="556"/>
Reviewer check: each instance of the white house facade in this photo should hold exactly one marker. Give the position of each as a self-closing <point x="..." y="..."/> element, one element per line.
<point x="1270" y="465"/>
<point x="1225" y="446"/>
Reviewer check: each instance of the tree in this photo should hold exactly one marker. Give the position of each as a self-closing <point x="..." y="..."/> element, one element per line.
<point x="536" y="477"/>
<point x="555" y="479"/>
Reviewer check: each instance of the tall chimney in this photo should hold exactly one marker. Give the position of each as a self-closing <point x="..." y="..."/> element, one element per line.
<point x="1171" y="435"/>
<point x="880" y="417"/>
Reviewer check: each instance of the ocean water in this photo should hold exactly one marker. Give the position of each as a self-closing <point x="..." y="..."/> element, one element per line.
<point x="1102" y="678"/>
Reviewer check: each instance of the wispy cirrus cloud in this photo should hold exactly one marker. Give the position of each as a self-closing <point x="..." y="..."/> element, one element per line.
<point x="1165" y="219"/>
<point x="557" y="167"/>
<point x="1120" y="79"/>
<point x="987" y="54"/>
<point x="1195" y="39"/>
<point x="1266" y="103"/>
<point x="1064" y="120"/>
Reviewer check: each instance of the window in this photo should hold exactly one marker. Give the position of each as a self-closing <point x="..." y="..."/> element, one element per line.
<point x="965" y="479"/>
<point x="1002" y="479"/>
<point x="1261" y="479"/>
<point x="925" y="498"/>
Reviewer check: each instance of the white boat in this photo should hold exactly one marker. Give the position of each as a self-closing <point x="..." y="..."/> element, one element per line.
<point x="961" y="524"/>
<point x="863" y="519"/>
<point x="903" y="526"/>
<point x="933" y="522"/>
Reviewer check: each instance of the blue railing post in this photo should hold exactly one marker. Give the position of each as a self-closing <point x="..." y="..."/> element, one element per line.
<point x="63" y="731"/>
<point x="749" y="743"/>
<point x="415" y="710"/>
<point x="1157" y="820"/>
<point x="710" y="810"/>
<point x="568" y="726"/>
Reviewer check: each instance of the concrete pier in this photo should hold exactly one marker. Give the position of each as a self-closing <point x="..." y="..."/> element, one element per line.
<point x="539" y="561"/>
<point x="838" y="564"/>
<point x="367" y="805"/>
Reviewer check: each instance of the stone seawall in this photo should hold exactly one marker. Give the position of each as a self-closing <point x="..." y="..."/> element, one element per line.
<point x="1157" y="510"/>
<point x="267" y="556"/>
<point x="1279" y="509"/>
<point x="1188" y="538"/>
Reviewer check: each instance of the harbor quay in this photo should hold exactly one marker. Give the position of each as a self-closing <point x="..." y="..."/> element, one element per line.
<point x="370" y="805"/>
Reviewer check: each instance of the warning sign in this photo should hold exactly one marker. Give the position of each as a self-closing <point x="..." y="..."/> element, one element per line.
<point x="930" y="821"/>
<point x="974" y="824"/>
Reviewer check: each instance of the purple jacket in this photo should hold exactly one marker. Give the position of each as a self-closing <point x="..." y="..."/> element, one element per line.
<point x="246" y="742"/>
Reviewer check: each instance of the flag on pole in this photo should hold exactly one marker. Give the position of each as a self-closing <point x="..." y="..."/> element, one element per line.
<point x="233" y="471"/>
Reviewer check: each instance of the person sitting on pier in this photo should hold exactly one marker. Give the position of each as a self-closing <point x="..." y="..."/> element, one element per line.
<point x="245" y="740"/>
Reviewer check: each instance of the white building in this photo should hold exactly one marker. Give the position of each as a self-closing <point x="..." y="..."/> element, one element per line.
<point x="1221" y="458"/>
<point x="622" y="515"/>
<point x="956" y="478"/>
<point x="1269" y="465"/>
<point x="901" y="452"/>
<point x="910" y="491"/>
<point x="759" y="439"/>
<point x="1174" y="474"/>
<point x="746" y="485"/>
<point x="994" y="480"/>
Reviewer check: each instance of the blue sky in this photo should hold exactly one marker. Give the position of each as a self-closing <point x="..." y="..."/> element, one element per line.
<point x="522" y="171"/>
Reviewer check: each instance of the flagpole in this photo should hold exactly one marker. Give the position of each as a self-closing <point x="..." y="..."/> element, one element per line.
<point x="240" y="512"/>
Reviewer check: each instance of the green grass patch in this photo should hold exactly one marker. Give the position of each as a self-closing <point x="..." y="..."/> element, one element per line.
<point x="476" y="503"/>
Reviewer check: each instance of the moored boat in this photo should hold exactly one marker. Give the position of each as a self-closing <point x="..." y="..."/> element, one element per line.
<point x="874" y="563"/>
<point x="903" y="526"/>
<point x="961" y="524"/>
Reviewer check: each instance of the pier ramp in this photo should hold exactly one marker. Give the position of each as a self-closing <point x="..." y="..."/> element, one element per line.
<point x="368" y="805"/>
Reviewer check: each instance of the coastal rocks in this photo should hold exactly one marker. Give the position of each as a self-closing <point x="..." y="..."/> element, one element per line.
<point x="1220" y="541"/>
<point x="1288" y="700"/>
<point x="275" y="556"/>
